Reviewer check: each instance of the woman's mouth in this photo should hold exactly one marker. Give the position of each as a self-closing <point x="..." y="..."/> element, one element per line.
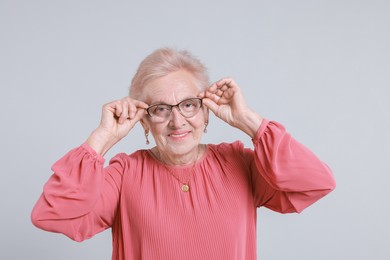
<point x="178" y="134"/>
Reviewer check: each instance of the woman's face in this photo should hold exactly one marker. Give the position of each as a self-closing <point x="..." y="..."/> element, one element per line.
<point x="177" y="135"/>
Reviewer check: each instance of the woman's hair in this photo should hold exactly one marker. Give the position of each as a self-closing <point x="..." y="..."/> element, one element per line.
<point x="162" y="62"/>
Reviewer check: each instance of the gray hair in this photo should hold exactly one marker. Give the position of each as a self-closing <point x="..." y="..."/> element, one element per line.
<point x="162" y="62"/>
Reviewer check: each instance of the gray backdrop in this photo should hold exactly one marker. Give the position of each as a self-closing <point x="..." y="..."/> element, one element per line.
<point x="319" y="67"/>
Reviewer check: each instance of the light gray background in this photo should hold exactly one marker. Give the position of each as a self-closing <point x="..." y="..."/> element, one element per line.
<point x="319" y="67"/>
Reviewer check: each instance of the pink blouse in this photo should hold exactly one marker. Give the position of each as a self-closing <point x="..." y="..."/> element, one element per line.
<point x="152" y="218"/>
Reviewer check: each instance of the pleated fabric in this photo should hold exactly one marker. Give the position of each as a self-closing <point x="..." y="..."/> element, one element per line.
<point x="141" y="199"/>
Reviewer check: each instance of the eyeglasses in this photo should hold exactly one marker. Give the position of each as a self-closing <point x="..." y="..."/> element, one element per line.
<point x="187" y="108"/>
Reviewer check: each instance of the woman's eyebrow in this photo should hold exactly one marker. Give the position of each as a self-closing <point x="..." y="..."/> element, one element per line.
<point x="158" y="103"/>
<point x="165" y="103"/>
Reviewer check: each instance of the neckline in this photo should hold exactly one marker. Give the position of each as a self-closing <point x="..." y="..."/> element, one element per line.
<point x="178" y="167"/>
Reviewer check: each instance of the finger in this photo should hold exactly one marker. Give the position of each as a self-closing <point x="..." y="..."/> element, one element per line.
<point x="210" y="104"/>
<point x="136" y="102"/>
<point x="213" y="96"/>
<point x="133" y="105"/>
<point x="140" y="109"/>
<point x="116" y="108"/>
<point x="139" y="114"/>
<point x="220" y="97"/>
<point x="212" y="88"/>
<point x="141" y="104"/>
<point x="225" y="81"/>
<point x="132" y="110"/>
<point x="219" y="92"/>
<point x="213" y="93"/>
<point x="125" y="112"/>
<point x="202" y="94"/>
<point x="221" y="85"/>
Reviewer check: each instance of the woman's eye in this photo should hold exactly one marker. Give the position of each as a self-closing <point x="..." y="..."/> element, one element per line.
<point x="189" y="105"/>
<point x="160" y="109"/>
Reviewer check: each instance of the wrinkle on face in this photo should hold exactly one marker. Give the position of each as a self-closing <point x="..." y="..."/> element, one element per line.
<point x="172" y="89"/>
<point x="169" y="89"/>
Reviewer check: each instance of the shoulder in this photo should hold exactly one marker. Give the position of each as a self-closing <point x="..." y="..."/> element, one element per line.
<point x="130" y="160"/>
<point x="227" y="151"/>
<point x="225" y="147"/>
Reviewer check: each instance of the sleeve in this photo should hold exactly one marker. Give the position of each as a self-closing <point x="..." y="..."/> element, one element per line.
<point x="287" y="177"/>
<point x="81" y="197"/>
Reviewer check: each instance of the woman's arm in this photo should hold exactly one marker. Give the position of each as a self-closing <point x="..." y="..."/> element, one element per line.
<point x="80" y="198"/>
<point x="288" y="177"/>
<point x="118" y="118"/>
<point x="225" y="99"/>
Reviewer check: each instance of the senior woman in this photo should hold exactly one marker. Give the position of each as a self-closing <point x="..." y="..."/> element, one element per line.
<point x="180" y="199"/>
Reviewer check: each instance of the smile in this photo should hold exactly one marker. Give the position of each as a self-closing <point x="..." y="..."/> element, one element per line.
<point x="178" y="135"/>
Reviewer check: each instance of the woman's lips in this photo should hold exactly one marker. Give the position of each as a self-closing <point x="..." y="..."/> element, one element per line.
<point x="179" y="134"/>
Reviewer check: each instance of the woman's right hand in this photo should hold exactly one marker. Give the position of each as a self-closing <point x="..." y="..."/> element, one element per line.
<point x="118" y="118"/>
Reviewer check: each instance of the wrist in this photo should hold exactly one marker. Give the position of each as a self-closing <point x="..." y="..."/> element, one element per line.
<point x="250" y="123"/>
<point x="101" y="141"/>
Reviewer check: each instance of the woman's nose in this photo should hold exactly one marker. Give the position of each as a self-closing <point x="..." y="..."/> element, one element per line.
<point x="176" y="118"/>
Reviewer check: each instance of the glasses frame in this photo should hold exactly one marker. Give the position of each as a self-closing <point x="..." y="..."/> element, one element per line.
<point x="177" y="106"/>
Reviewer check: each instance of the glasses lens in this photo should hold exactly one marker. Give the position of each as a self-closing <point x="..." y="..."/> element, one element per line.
<point x="159" y="111"/>
<point x="187" y="108"/>
<point x="190" y="107"/>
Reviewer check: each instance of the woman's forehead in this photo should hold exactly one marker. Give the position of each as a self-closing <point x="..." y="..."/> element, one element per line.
<point x="174" y="87"/>
<point x="170" y="98"/>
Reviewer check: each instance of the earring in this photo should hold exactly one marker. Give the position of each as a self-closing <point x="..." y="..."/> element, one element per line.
<point x="205" y="127"/>
<point x="146" y="137"/>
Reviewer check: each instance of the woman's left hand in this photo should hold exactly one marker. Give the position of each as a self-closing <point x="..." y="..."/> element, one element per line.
<point x="225" y="99"/>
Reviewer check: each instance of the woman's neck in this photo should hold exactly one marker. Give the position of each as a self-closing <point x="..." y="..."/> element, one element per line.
<point x="186" y="159"/>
